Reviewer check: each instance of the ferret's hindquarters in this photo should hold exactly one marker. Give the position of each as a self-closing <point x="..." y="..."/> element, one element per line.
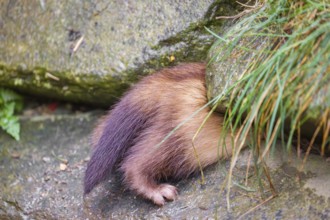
<point x="147" y="163"/>
<point x="152" y="109"/>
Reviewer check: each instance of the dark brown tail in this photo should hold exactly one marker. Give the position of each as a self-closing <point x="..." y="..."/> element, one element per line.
<point x="121" y="128"/>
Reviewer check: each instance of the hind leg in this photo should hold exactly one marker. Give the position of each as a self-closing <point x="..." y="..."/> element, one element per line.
<point x="141" y="179"/>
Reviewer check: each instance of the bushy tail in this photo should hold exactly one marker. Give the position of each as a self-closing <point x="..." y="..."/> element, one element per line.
<point x="120" y="129"/>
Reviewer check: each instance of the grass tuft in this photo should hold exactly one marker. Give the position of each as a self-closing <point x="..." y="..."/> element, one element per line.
<point x="287" y="83"/>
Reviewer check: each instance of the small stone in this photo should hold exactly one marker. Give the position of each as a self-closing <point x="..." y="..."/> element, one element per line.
<point x="46" y="159"/>
<point x="63" y="166"/>
<point x="203" y="207"/>
<point x="15" y="155"/>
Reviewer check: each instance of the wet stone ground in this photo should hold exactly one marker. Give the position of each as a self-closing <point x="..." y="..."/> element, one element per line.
<point x="41" y="178"/>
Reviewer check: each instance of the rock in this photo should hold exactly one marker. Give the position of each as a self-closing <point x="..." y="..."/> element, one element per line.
<point x="46" y="159"/>
<point x="90" y="52"/>
<point x="63" y="167"/>
<point x="33" y="189"/>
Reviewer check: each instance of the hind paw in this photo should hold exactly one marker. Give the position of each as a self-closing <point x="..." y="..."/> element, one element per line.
<point x="162" y="193"/>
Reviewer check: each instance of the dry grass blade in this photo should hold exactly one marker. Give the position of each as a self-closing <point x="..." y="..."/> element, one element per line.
<point x="257" y="206"/>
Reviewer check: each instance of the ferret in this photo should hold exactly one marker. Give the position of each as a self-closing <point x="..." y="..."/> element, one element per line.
<point x="131" y="138"/>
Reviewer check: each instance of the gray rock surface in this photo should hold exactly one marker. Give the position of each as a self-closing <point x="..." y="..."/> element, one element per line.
<point x="91" y="51"/>
<point x="41" y="178"/>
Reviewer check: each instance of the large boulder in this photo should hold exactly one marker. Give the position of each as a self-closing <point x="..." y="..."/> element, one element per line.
<point x="90" y="52"/>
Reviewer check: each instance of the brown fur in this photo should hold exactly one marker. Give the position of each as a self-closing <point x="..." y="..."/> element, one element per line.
<point x="164" y="100"/>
